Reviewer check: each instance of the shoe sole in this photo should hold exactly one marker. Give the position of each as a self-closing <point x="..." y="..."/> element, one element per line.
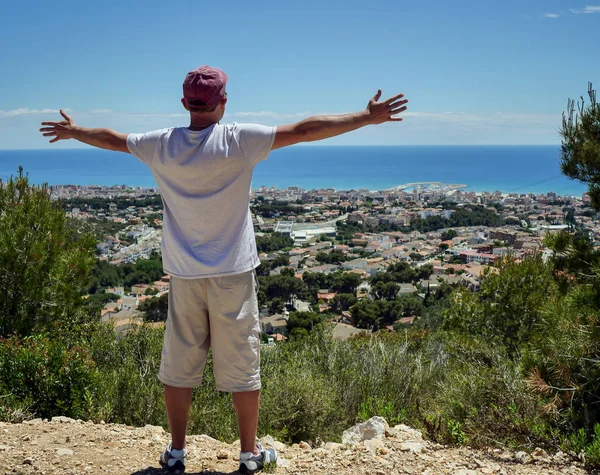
<point x="177" y="468"/>
<point x="243" y="470"/>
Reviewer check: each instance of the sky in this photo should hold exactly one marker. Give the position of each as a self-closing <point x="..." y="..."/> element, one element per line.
<point x="474" y="72"/>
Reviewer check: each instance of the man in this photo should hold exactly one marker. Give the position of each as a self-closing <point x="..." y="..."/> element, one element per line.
<point x="204" y="174"/>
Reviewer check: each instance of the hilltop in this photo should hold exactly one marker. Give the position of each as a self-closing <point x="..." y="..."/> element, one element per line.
<point x="64" y="445"/>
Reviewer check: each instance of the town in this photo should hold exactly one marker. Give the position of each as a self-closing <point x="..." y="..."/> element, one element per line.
<point x="363" y="260"/>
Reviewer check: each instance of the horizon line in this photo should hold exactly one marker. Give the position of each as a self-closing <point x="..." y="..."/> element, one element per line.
<point x="322" y="145"/>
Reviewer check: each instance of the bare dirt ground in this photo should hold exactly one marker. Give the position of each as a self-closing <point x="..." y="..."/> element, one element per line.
<point x="65" y="446"/>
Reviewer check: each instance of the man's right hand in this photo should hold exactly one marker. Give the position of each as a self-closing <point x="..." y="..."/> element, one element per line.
<point x="101" y="138"/>
<point x="384" y="111"/>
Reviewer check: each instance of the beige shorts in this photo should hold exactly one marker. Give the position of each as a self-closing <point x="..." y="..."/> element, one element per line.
<point x="219" y="312"/>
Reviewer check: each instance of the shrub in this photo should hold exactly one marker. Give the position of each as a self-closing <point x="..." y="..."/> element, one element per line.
<point x="44" y="262"/>
<point x="128" y="365"/>
<point x="44" y="378"/>
<point x="483" y="398"/>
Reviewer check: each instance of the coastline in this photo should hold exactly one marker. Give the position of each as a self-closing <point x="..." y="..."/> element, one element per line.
<point x="508" y="169"/>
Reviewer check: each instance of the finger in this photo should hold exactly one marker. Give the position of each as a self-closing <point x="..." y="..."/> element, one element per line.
<point x="53" y="124"/>
<point x="398" y="104"/>
<point x="394" y="98"/>
<point x="397" y="111"/>
<point x="64" y="114"/>
<point x="47" y="129"/>
<point x="55" y="140"/>
<point x="49" y="134"/>
<point x="395" y="119"/>
<point x="377" y="95"/>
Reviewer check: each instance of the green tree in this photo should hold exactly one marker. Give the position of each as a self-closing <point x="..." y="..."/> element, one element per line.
<point x="44" y="261"/>
<point x="447" y="235"/>
<point x="105" y="275"/>
<point x="342" y="302"/>
<point x="509" y="306"/>
<point x="287" y="272"/>
<point x="580" y="148"/>
<point x="333" y="257"/>
<point x="305" y="320"/>
<point x="276" y="305"/>
<point x="137" y="277"/>
<point x="95" y="302"/>
<point x="344" y="282"/>
<point x="273" y="242"/>
<point x="283" y="286"/>
<point x="385" y="290"/>
<point x="369" y="314"/>
<point x="151" y="291"/>
<point x="155" y="309"/>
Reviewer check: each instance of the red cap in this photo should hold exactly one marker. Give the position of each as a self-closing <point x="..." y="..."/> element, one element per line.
<point x="205" y="84"/>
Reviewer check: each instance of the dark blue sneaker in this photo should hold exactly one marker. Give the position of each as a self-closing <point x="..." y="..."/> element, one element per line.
<point x="173" y="460"/>
<point x="250" y="463"/>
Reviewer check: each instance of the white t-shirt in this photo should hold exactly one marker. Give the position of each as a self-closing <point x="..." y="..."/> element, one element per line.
<point x="204" y="178"/>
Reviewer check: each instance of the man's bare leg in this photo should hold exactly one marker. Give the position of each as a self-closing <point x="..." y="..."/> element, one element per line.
<point x="247" y="405"/>
<point x="178" y="402"/>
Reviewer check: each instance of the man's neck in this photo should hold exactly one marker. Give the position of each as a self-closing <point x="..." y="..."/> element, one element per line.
<point x="200" y="126"/>
<point x="203" y="120"/>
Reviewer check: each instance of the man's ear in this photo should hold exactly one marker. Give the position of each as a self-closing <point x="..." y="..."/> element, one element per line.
<point x="185" y="106"/>
<point x="223" y="102"/>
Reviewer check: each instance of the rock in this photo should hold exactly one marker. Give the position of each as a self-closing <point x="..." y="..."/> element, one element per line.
<point x="561" y="457"/>
<point x="414" y="447"/>
<point x="207" y="438"/>
<point x="465" y="472"/>
<point x="28" y="461"/>
<point x="64" y="452"/>
<point x="304" y="445"/>
<point x="523" y="457"/>
<point x="537" y="452"/>
<point x="154" y="429"/>
<point x="373" y="445"/>
<point x="222" y="454"/>
<point x="33" y="421"/>
<point x="281" y="462"/>
<point x="270" y="441"/>
<point x="374" y="428"/>
<point x="404" y="432"/>
<point x="331" y="446"/>
<point x="63" y="420"/>
<point x="4" y="448"/>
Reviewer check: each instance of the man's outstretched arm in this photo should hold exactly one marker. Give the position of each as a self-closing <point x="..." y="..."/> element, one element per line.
<point x="324" y="127"/>
<point x="101" y="138"/>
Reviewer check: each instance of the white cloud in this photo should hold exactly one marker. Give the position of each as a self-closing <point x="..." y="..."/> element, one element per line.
<point x="159" y="115"/>
<point x="587" y="10"/>
<point x="27" y="111"/>
<point x="442" y="117"/>
<point x="435" y="127"/>
<point x="476" y="121"/>
<point x="274" y="115"/>
<point x="551" y="15"/>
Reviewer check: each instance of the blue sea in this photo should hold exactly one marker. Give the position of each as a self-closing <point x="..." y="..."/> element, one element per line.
<point x="519" y="169"/>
